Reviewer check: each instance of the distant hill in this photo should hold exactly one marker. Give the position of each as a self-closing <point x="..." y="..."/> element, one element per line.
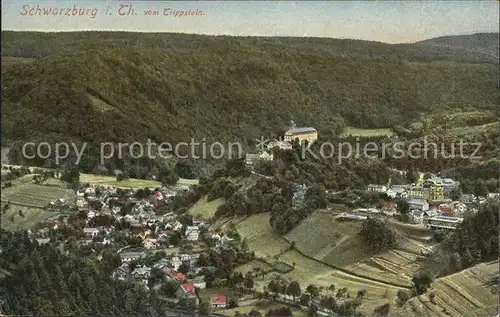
<point x="482" y="43"/>
<point x="105" y="86"/>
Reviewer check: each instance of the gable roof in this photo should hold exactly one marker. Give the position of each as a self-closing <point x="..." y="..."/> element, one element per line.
<point x="300" y="130"/>
<point x="218" y="300"/>
<point x="188" y="288"/>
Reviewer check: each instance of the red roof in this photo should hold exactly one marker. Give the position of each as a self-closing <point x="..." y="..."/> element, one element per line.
<point x="388" y="205"/>
<point x="446" y="208"/>
<point x="219" y="300"/>
<point x="51" y="224"/>
<point x="188" y="287"/>
<point x="180" y="276"/>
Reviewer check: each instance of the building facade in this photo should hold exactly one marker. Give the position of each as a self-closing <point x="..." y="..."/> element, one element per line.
<point x="302" y="134"/>
<point x="415" y="192"/>
<point x="433" y="190"/>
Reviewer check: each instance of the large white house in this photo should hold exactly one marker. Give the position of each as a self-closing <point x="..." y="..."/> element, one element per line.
<point x="192" y="233"/>
<point x="302" y="134"/>
<point x="377" y="188"/>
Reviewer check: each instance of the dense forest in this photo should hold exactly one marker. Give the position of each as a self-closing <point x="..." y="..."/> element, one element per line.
<point x="43" y="280"/>
<point x="125" y="87"/>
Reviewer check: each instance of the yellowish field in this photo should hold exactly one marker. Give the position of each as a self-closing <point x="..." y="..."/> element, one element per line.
<point x="472" y="292"/>
<point x="366" y="132"/>
<point x="205" y="209"/>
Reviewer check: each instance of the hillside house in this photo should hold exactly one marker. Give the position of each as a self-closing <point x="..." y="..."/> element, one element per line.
<point x="446" y="223"/>
<point x="128" y="257"/>
<point x="150" y="244"/>
<point x="415" y="192"/>
<point x="460" y="208"/>
<point x="282" y="145"/>
<point x="122" y="272"/>
<point x="418" y="204"/>
<point x="42" y="241"/>
<point x="187" y="290"/>
<point x="176" y="262"/>
<point x="192" y="233"/>
<point x="51" y="225"/>
<point x="301" y="134"/>
<point x="445" y="209"/>
<point x="253" y="159"/>
<point x="90" y="233"/>
<point x="218" y="302"/>
<point x="417" y="216"/>
<point x="433" y="190"/>
<point x="468" y="199"/>
<point x="431" y="213"/>
<point x="397" y="191"/>
<point x="388" y="208"/>
<point x="299" y="194"/>
<point x="199" y="282"/>
<point x="141" y="273"/>
<point x="493" y="196"/>
<point x="198" y="222"/>
<point x="377" y="188"/>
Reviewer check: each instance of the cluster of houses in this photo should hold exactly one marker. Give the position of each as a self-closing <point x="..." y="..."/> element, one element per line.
<point x="301" y="134"/>
<point x="155" y="231"/>
<point x="430" y="202"/>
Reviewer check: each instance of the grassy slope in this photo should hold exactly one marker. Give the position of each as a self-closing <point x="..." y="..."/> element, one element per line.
<point x="205" y="209"/>
<point x="321" y="236"/>
<point x="111" y="181"/>
<point x="122" y="89"/>
<point x="271" y="248"/>
<point x="30" y="198"/>
<point x="351" y="131"/>
<point x="472" y="292"/>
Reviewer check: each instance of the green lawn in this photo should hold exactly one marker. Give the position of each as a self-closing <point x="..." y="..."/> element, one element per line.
<point x="205" y="209"/>
<point x="260" y="236"/>
<point x="26" y="193"/>
<point x="130" y="183"/>
<point x="366" y="132"/>
<point x="111" y="181"/>
<point x="32" y="216"/>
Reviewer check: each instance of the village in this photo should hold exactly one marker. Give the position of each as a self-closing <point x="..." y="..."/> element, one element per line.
<point x="180" y="255"/>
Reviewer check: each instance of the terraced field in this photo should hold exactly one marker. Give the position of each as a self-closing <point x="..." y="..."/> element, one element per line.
<point x="472" y="292"/>
<point x="270" y="249"/>
<point x="307" y="271"/>
<point x="28" y="200"/>
<point x="322" y="237"/>
<point x="28" y="194"/>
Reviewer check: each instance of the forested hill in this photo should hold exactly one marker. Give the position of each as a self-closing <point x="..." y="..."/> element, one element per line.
<point x="482" y="43"/>
<point x="97" y="86"/>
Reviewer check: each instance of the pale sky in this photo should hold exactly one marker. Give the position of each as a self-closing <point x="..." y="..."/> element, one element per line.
<point x="385" y="21"/>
